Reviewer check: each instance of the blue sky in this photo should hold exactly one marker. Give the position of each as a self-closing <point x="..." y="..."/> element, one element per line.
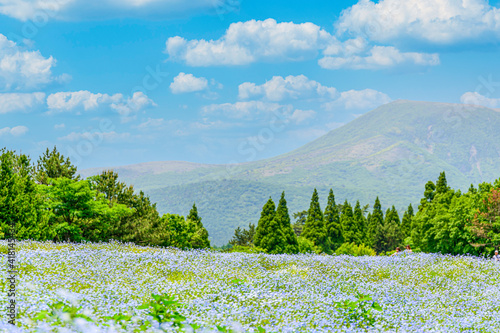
<point x="214" y="81"/>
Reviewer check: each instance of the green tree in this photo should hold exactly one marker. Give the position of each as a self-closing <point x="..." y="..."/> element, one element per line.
<point x="53" y="164"/>
<point x="243" y="237"/>
<point x="283" y="219"/>
<point x="314" y="229"/>
<point x="22" y="205"/>
<point x="332" y="223"/>
<point x="359" y="224"/>
<point x="199" y="238"/>
<point x="300" y="221"/>
<point x="376" y="227"/>
<point x="349" y="228"/>
<point x="406" y="224"/>
<point x="264" y="224"/>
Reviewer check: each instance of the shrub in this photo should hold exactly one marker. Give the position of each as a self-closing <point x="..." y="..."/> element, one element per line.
<point x="355" y="250"/>
<point x="307" y="246"/>
<point x="247" y="249"/>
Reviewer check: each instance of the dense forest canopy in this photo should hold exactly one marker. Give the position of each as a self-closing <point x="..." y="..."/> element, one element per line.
<point x="48" y="201"/>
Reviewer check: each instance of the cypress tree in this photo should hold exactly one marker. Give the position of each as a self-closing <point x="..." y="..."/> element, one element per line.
<point x="359" y="224"/>
<point x="349" y="229"/>
<point x="263" y="227"/>
<point x="332" y="223"/>
<point x="375" y="228"/>
<point x="406" y="223"/>
<point x="314" y="229"/>
<point x="274" y="241"/>
<point x="442" y="184"/>
<point x="283" y="220"/>
<point x="199" y="238"/>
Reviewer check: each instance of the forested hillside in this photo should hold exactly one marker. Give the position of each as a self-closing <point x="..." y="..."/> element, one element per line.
<point x="390" y="152"/>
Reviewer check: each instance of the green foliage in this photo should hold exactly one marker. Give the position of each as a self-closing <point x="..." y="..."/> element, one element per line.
<point x="300" y="221"/>
<point x="355" y="250"/>
<point x="199" y="240"/>
<point x="314" y="229"/>
<point x="359" y="312"/>
<point x="283" y="221"/>
<point x="264" y="224"/>
<point x="406" y="224"/>
<point x="375" y="236"/>
<point x="349" y="227"/>
<point x="52" y="165"/>
<point x="243" y="237"/>
<point x="332" y="223"/>
<point x="247" y="249"/>
<point x="60" y="313"/>
<point x="307" y="246"/>
<point x="164" y="308"/>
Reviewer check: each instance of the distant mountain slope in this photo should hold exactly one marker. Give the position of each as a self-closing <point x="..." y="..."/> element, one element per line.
<point x="391" y="152"/>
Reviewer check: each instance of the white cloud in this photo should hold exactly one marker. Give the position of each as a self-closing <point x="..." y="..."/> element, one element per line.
<point x="240" y="110"/>
<point x="151" y="123"/>
<point x="358" y="99"/>
<point x="435" y="21"/>
<point x="14" y="131"/>
<point x="478" y="99"/>
<point x="97" y="136"/>
<point x="247" y="42"/>
<point x="184" y="83"/>
<point x="86" y="101"/>
<point x="300" y="116"/>
<point x="59" y="126"/>
<point x="380" y="57"/>
<point x="279" y="88"/>
<point x="21" y="69"/>
<point x="20" y="102"/>
<point x="105" y="9"/>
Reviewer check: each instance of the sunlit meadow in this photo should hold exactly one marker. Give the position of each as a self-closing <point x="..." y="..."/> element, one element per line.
<point x="279" y="293"/>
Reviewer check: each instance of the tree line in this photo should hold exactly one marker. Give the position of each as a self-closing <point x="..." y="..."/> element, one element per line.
<point x="48" y="200"/>
<point x="447" y="221"/>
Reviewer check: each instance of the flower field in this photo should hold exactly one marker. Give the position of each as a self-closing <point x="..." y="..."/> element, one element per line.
<point x="251" y="292"/>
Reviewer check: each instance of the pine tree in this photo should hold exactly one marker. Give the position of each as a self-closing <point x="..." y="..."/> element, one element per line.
<point x="442" y="184"/>
<point x="359" y="224"/>
<point x="52" y="165"/>
<point x="349" y="229"/>
<point x="332" y="223"/>
<point x="199" y="238"/>
<point x="264" y="225"/>
<point x="314" y="229"/>
<point x="283" y="219"/>
<point x="406" y="223"/>
<point x="375" y="228"/>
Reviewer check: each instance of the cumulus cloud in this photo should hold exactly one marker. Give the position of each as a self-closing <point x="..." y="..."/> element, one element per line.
<point x="301" y="88"/>
<point x="86" y="101"/>
<point x="380" y="57"/>
<point x="21" y="102"/>
<point x="21" y="69"/>
<point x="359" y="100"/>
<point x="14" y="131"/>
<point x="434" y="21"/>
<point x="240" y="110"/>
<point x="252" y="41"/>
<point x="478" y="99"/>
<point x="185" y="83"/>
<point x="279" y="88"/>
<point x="300" y="116"/>
<point x="247" y="42"/>
<point x="105" y="9"/>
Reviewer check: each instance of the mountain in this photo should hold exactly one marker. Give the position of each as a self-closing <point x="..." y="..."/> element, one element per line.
<point x="391" y="152"/>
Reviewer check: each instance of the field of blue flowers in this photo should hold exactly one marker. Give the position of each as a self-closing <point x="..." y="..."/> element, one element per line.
<point x="101" y="284"/>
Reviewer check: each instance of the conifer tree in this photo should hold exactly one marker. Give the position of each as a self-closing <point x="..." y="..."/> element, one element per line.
<point x="199" y="239"/>
<point x="53" y="164"/>
<point x="264" y="225"/>
<point x="314" y="229"/>
<point x="274" y="242"/>
<point x="332" y="223"/>
<point x="406" y="223"/>
<point x="442" y="184"/>
<point x="359" y="224"/>
<point x="349" y="229"/>
<point x="375" y="228"/>
<point x="283" y="219"/>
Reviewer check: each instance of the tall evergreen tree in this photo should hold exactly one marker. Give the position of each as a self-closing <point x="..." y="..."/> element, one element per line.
<point x="349" y="229"/>
<point x="376" y="227"/>
<point x="314" y="229"/>
<point x="442" y="184"/>
<point x="359" y="224"/>
<point x="199" y="238"/>
<point x="283" y="219"/>
<point x="406" y="223"/>
<point x="264" y="225"/>
<point x="53" y="164"/>
<point x="274" y="242"/>
<point x="332" y="223"/>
